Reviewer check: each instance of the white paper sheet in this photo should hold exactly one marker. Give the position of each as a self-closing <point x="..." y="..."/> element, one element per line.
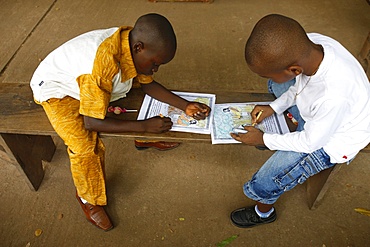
<point x="181" y="122"/>
<point x="233" y="117"/>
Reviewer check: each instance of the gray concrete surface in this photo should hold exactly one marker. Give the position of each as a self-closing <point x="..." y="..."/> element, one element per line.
<point x="182" y="197"/>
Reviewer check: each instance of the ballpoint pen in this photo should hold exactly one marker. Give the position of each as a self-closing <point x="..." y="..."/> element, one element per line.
<point x="118" y="110"/>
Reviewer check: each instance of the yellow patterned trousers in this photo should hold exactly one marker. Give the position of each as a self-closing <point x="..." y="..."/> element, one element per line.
<point x="85" y="149"/>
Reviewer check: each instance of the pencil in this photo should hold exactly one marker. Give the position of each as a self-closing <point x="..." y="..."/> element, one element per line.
<point x="258" y="117"/>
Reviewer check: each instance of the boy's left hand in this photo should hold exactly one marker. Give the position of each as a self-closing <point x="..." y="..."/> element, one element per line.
<point x="197" y="110"/>
<point x="254" y="137"/>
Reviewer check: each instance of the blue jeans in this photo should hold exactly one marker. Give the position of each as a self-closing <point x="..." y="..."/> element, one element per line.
<point x="285" y="169"/>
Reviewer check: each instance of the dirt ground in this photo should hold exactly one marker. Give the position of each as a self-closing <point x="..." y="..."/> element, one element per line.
<point x="182" y="197"/>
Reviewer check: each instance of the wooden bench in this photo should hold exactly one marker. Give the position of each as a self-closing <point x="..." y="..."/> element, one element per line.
<point x="204" y="1"/>
<point x="26" y="134"/>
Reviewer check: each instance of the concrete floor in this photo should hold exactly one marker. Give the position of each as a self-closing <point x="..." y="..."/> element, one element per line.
<point x="182" y="197"/>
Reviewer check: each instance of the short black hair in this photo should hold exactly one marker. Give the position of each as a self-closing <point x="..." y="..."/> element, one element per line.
<point x="276" y="41"/>
<point x="156" y="31"/>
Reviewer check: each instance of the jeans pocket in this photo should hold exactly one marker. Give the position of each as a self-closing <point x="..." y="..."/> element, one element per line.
<point x="298" y="173"/>
<point x="289" y="178"/>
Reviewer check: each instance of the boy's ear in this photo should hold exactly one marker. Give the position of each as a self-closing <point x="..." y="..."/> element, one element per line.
<point x="295" y="69"/>
<point x="138" y="46"/>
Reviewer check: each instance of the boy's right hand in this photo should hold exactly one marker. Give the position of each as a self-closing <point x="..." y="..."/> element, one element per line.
<point x="267" y="111"/>
<point x="157" y="124"/>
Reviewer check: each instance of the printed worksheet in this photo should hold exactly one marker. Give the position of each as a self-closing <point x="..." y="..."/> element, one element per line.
<point x="181" y="122"/>
<point x="233" y="117"/>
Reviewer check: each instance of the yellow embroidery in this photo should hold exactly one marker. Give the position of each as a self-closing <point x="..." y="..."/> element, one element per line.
<point x="112" y="55"/>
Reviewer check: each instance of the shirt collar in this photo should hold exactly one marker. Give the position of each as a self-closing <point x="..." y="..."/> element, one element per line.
<point x="126" y="62"/>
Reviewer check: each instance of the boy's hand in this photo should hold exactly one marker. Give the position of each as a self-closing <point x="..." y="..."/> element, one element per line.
<point x="197" y="110"/>
<point x="254" y="137"/>
<point x="266" y="112"/>
<point x="157" y="124"/>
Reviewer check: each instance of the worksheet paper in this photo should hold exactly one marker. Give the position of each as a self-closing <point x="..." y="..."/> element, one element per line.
<point x="181" y="122"/>
<point x="233" y="117"/>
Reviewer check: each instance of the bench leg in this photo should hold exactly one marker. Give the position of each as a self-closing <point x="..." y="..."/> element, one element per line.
<point x="27" y="152"/>
<point x="318" y="184"/>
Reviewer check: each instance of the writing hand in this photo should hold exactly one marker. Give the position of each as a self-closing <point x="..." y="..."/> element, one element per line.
<point x="197" y="110"/>
<point x="261" y="112"/>
<point x="157" y="124"/>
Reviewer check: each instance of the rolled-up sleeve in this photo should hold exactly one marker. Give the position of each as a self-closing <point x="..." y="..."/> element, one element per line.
<point x="96" y="88"/>
<point x="95" y="94"/>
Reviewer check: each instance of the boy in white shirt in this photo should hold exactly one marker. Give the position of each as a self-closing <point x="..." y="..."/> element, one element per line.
<point x="326" y="90"/>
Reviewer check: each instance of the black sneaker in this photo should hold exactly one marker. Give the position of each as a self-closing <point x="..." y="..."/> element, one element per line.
<point x="247" y="217"/>
<point x="262" y="147"/>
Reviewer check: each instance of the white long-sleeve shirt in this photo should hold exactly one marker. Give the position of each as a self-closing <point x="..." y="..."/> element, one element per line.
<point x="335" y="105"/>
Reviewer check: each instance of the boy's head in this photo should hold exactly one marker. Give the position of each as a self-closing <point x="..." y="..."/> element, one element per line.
<point x="152" y="43"/>
<point x="276" y="47"/>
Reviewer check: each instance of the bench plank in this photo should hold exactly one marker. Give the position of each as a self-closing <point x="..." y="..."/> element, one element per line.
<point x="26" y="132"/>
<point x="21" y="115"/>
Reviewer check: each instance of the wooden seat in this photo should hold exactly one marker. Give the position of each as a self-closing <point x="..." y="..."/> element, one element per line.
<point x="26" y="134"/>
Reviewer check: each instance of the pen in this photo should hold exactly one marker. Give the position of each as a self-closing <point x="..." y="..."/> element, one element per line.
<point x="258" y="117"/>
<point x="118" y="110"/>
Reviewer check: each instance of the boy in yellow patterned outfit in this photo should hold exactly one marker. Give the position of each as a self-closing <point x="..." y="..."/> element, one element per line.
<point x="77" y="81"/>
